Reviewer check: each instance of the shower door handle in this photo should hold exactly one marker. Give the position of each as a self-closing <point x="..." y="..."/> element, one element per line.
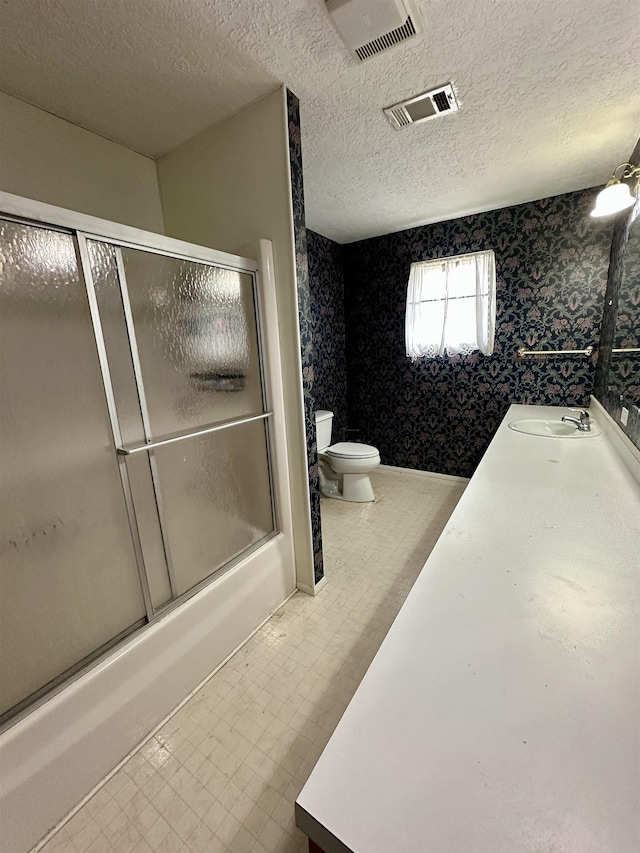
<point x="129" y="451"/>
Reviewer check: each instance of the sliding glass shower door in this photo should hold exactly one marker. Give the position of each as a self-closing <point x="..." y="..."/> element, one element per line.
<point x="69" y="582"/>
<point x="135" y="442"/>
<point x="198" y="419"/>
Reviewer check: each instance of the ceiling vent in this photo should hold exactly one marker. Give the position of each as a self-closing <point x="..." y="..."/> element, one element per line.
<point x="370" y="28"/>
<point x="437" y="102"/>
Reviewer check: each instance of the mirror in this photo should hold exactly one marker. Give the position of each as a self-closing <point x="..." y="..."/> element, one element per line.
<point x="624" y="372"/>
<point x="617" y="380"/>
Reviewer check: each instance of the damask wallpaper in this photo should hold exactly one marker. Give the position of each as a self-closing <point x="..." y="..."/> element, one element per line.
<point x="306" y="325"/>
<point x="326" y="287"/>
<point x="440" y="414"/>
<point x="624" y="372"/>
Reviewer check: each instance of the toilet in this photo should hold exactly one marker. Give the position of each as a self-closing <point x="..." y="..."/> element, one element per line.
<point x="344" y="467"/>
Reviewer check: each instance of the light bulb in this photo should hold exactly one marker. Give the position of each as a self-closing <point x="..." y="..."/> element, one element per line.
<point x="612" y="199"/>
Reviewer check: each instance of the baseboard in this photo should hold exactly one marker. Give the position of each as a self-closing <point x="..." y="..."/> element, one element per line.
<point x="312" y="590"/>
<point x="432" y="474"/>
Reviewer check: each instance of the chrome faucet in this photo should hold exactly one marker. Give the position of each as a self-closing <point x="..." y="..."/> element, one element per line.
<point x="583" y="424"/>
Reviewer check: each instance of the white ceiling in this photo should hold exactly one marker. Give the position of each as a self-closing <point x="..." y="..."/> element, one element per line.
<point x="548" y="92"/>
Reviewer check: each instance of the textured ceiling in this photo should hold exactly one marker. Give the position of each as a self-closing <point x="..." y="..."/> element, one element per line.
<point x="548" y="92"/>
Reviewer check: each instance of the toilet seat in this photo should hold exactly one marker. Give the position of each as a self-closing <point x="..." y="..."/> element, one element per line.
<point x="351" y="450"/>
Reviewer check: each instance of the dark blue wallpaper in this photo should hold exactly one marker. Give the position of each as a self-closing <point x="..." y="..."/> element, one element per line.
<point x="624" y="372"/>
<point x="326" y="287"/>
<point x="305" y="322"/>
<point x="440" y="414"/>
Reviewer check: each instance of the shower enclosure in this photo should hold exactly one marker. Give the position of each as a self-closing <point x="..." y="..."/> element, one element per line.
<point x="135" y="433"/>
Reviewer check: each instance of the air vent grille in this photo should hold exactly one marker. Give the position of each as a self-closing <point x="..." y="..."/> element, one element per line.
<point x="441" y="101"/>
<point x="423" y="107"/>
<point x="401" y="117"/>
<point x="370" y="27"/>
<point x="390" y="39"/>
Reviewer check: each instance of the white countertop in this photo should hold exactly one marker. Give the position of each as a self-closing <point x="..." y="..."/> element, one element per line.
<point x="501" y="713"/>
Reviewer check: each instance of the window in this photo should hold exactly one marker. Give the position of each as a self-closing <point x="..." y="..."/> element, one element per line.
<point x="451" y="306"/>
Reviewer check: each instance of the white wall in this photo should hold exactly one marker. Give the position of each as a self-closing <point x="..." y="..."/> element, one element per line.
<point x="229" y="186"/>
<point x="48" y="159"/>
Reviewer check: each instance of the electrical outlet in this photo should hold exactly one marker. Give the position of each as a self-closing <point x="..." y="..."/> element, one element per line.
<point x="624" y="416"/>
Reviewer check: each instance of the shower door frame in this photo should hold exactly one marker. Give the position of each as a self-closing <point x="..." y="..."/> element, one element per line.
<point x="59" y="747"/>
<point x="245" y="266"/>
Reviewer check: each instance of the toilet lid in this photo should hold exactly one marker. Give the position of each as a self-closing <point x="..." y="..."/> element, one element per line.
<point x="351" y="450"/>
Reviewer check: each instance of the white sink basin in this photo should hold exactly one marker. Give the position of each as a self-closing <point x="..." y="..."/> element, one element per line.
<point x="551" y="429"/>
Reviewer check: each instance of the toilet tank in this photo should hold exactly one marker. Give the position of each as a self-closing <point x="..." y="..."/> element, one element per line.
<point x="324" y="423"/>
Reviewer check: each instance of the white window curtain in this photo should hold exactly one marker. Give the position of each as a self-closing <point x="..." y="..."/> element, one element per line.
<point x="451" y="306"/>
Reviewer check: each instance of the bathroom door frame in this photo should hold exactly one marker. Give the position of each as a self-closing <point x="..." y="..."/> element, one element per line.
<point x="53" y="755"/>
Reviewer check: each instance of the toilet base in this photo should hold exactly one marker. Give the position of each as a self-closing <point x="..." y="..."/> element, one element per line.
<point x="356" y="488"/>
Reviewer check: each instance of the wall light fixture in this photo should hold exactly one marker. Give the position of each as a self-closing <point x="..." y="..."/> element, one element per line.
<point x="617" y="196"/>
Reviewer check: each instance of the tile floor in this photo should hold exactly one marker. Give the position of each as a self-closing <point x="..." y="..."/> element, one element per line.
<point x="224" y="772"/>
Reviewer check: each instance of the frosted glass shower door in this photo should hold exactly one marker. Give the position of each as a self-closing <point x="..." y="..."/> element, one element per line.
<point x="195" y="353"/>
<point x="69" y="581"/>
